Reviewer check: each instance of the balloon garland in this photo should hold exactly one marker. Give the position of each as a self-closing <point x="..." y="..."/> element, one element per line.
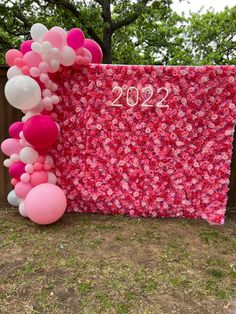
<point x="30" y="89"/>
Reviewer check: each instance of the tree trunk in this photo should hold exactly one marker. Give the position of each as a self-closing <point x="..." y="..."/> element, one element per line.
<point x="107" y="39"/>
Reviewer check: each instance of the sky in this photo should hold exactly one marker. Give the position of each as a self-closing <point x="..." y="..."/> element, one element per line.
<point x="195" y="5"/>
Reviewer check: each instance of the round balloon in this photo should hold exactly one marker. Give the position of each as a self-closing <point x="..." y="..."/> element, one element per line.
<point x="12" y="55"/>
<point x="22" y="189"/>
<point x="17" y="169"/>
<point x="13" y="199"/>
<point x="95" y="50"/>
<point x="40" y="131"/>
<point x="26" y="46"/>
<point x="22" y="210"/>
<point x="13" y="71"/>
<point x="11" y="146"/>
<point x="15" y="129"/>
<point x="75" y="38"/>
<point x="28" y="155"/>
<point x="37" y="31"/>
<point x="45" y="203"/>
<point x="22" y="92"/>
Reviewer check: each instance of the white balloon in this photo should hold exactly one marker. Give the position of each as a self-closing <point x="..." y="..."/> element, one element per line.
<point x="37" y="31"/>
<point x="36" y="47"/>
<point x="13" y="199"/>
<point x="46" y="46"/>
<point x="67" y="56"/>
<point x="22" y="209"/>
<point x="22" y="92"/>
<point x="28" y="115"/>
<point x="52" y="178"/>
<point x="7" y="163"/>
<point x="13" y="71"/>
<point x="28" y="155"/>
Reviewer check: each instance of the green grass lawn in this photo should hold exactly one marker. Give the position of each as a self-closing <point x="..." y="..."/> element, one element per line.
<point x="112" y="264"/>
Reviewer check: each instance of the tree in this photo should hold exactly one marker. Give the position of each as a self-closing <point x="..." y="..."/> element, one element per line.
<point x="129" y="31"/>
<point x="95" y="17"/>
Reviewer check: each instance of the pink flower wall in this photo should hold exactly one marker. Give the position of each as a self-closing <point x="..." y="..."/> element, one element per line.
<point x="146" y="140"/>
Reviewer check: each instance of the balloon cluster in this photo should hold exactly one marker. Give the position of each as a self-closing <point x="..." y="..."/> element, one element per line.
<point x="30" y="89"/>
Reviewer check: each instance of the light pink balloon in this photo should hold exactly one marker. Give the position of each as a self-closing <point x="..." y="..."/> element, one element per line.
<point x="54" y="38"/>
<point x="11" y="55"/>
<point x="11" y="146"/>
<point x="95" y="50"/>
<point x="22" y="189"/>
<point x="62" y="32"/>
<point x="38" y="177"/>
<point x="45" y="203"/>
<point x="32" y="59"/>
<point x="26" y="46"/>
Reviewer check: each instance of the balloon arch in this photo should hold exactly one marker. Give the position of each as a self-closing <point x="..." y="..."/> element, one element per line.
<point x="30" y="89"/>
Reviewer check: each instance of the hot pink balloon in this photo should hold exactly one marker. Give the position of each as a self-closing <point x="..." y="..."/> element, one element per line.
<point x="45" y="203"/>
<point x="38" y="177"/>
<point x="11" y="146"/>
<point x="32" y="59"/>
<point x="75" y="38"/>
<point x="54" y="38"/>
<point x="11" y="56"/>
<point x="40" y="131"/>
<point x="22" y="189"/>
<point x="15" y="129"/>
<point x="17" y="169"/>
<point x="95" y="50"/>
<point x="26" y="46"/>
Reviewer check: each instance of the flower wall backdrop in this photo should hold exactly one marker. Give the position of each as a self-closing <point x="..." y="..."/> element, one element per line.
<point x="146" y="140"/>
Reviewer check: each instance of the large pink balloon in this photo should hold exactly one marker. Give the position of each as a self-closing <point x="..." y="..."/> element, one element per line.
<point x="95" y="50"/>
<point x="40" y="131"/>
<point x="32" y="59"/>
<point x="54" y="38"/>
<point x="11" y="146"/>
<point x="11" y="56"/>
<point x="45" y="203"/>
<point x="15" y="129"/>
<point x="26" y="46"/>
<point x="17" y="169"/>
<point x="75" y="38"/>
<point x="22" y="189"/>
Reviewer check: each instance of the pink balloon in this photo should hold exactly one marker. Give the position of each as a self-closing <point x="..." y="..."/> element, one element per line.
<point x="38" y="177"/>
<point x="45" y="203"/>
<point x="15" y="129"/>
<point x="26" y="46"/>
<point x="19" y="62"/>
<point x="11" y="146"/>
<point x="54" y="38"/>
<point x="32" y="59"/>
<point x="22" y="189"/>
<point x="95" y="50"/>
<point x="40" y="131"/>
<point x="11" y="55"/>
<point x="17" y="169"/>
<point x="75" y="38"/>
<point x="62" y="32"/>
<point x="14" y="181"/>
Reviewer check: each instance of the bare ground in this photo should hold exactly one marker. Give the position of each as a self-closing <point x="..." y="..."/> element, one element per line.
<point x="111" y="264"/>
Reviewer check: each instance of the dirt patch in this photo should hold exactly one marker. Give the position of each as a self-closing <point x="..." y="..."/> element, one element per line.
<point x="112" y="264"/>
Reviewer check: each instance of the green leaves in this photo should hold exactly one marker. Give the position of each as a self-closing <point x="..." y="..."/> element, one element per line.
<point x="156" y="35"/>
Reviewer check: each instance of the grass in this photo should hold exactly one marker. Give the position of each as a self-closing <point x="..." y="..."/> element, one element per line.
<point x="112" y="264"/>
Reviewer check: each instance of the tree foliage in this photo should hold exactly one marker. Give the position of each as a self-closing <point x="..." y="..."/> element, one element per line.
<point x="129" y="32"/>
